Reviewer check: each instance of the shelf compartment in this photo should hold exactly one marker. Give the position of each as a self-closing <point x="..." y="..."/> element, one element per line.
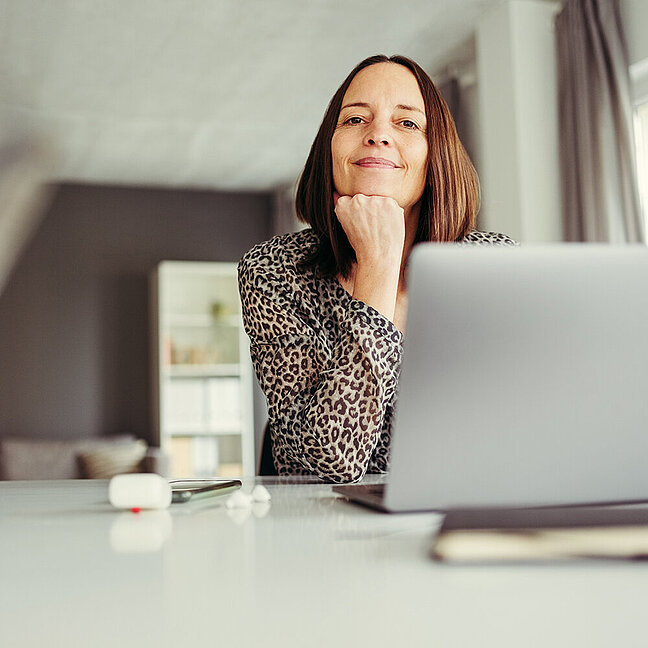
<point x="202" y="373"/>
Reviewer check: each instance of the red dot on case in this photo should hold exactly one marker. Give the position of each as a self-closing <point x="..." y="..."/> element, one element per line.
<point x="136" y="509"/>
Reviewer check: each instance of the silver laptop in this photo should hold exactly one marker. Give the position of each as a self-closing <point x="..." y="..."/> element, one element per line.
<point x="524" y="379"/>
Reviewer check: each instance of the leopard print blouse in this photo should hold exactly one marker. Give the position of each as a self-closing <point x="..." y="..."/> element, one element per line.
<point x="327" y="363"/>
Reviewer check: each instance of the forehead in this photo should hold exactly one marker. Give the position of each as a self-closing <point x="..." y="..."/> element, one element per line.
<point x="389" y="82"/>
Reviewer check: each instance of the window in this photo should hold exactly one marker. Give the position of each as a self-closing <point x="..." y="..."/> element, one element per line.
<point x="641" y="139"/>
<point x="639" y="79"/>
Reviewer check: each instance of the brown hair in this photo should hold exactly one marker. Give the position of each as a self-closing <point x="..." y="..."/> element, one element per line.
<point x="450" y="200"/>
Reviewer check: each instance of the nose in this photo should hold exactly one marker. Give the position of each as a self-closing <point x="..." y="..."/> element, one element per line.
<point x="377" y="134"/>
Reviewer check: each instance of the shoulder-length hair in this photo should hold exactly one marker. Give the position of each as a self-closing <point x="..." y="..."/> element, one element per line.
<point x="450" y="199"/>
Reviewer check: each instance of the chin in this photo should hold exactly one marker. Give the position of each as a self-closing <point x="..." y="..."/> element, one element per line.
<point x="376" y="190"/>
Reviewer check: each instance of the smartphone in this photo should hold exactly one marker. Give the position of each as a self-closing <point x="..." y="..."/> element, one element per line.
<point x="185" y="490"/>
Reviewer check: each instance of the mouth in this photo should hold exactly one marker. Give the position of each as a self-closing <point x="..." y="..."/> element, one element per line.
<point x="375" y="163"/>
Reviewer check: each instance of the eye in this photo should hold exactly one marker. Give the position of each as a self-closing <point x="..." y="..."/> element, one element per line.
<point x="353" y="120"/>
<point x="408" y="123"/>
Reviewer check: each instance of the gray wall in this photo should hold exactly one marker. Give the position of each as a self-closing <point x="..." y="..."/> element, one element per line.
<point x="74" y="355"/>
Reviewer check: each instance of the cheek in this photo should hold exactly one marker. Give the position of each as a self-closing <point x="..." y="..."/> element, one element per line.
<point x="337" y="159"/>
<point x="339" y="147"/>
<point x="420" y="165"/>
<point x="335" y="152"/>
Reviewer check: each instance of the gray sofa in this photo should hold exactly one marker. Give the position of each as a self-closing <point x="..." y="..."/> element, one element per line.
<point x="84" y="458"/>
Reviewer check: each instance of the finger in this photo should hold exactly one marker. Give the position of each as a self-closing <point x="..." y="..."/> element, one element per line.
<point x="343" y="202"/>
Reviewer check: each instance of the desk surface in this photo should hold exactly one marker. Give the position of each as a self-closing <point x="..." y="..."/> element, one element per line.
<point x="309" y="570"/>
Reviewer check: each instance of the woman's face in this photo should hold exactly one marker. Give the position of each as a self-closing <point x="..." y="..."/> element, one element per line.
<point x="379" y="147"/>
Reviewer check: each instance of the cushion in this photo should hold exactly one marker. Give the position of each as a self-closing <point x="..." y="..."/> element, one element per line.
<point x="105" y="463"/>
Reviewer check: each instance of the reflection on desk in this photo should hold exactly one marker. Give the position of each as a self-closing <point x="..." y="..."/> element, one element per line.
<point x="309" y="570"/>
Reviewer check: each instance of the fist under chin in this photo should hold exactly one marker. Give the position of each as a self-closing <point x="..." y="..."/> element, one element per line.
<point x="371" y="198"/>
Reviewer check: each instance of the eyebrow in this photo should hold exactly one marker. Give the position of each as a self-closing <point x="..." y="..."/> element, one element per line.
<point x="361" y="104"/>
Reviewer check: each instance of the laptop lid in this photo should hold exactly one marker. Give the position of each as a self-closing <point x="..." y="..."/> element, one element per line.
<point x="524" y="378"/>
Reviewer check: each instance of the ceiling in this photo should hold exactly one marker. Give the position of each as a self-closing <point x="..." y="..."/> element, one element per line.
<point x="223" y="94"/>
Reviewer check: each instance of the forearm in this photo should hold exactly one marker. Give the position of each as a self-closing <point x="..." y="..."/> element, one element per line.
<point x="375" y="227"/>
<point x="327" y="417"/>
<point x="376" y="284"/>
<point x="327" y="380"/>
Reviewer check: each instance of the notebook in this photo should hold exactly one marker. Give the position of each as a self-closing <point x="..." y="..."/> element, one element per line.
<point x="542" y="534"/>
<point x="524" y="379"/>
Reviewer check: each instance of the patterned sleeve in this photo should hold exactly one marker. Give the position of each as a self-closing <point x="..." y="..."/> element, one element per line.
<point x="487" y="238"/>
<point x="326" y="406"/>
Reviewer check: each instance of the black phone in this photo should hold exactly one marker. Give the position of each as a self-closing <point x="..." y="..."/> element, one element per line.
<point x="185" y="490"/>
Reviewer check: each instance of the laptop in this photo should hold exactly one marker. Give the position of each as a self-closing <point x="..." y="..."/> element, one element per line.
<point x="524" y="379"/>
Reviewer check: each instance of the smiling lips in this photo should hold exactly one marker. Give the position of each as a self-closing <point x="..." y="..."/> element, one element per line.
<point x="376" y="163"/>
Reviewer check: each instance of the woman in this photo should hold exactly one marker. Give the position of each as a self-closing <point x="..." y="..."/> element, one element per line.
<point x="325" y="307"/>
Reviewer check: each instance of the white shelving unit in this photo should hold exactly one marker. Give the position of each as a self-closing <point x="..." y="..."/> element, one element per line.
<point x="201" y="370"/>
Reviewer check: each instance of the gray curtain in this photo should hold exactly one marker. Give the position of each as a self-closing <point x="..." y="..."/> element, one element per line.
<point x="600" y="195"/>
<point x="450" y="90"/>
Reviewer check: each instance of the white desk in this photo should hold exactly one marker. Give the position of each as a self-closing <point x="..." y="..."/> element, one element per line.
<point x="311" y="571"/>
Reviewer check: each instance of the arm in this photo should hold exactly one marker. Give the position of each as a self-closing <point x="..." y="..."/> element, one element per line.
<point x="326" y="402"/>
<point x="375" y="227"/>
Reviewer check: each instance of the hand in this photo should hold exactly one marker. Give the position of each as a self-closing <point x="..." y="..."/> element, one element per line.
<point x="375" y="227"/>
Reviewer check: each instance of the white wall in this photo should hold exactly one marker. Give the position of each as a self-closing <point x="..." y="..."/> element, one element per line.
<point x="516" y="71"/>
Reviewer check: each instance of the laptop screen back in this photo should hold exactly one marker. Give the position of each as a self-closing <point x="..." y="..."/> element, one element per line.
<point x="524" y="378"/>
